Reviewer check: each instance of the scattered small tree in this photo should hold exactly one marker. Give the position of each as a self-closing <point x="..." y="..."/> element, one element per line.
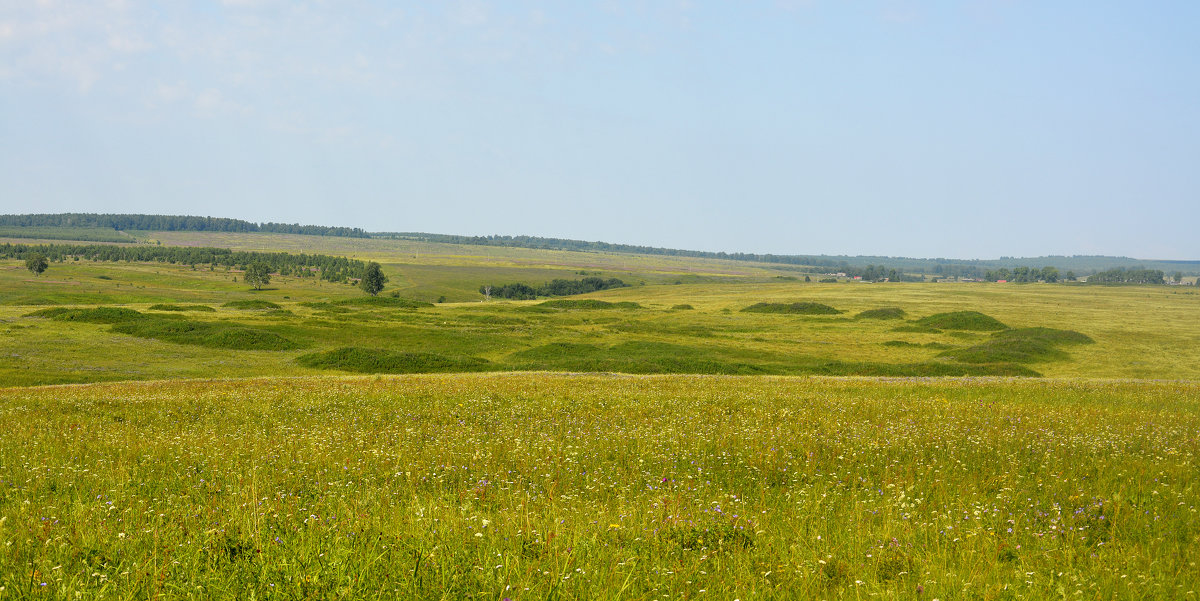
<point x="486" y="291"/>
<point x="373" y="279"/>
<point x="36" y="264"/>
<point x="257" y="275"/>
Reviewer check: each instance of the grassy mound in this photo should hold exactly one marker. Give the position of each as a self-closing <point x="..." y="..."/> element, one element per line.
<point x="901" y="343"/>
<point x="587" y="303"/>
<point x="683" y="307"/>
<point x="96" y="315"/>
<point x="882" y="313"/>
<point x="1023" y="345"/>
<point x="962" y="320"/>
<point x="807" y="308"/>
<point x="162" y="307"/>
<point x="1012" y="350"/>
<point x="386" y="302"/>
<point x="1049" y="335"/>
<point x="633" y="357"/>
<point x="251" y="305"/>
<point x="364" y="360"/>
<point x="641" y="357"/>
<point x="213" y="335"/>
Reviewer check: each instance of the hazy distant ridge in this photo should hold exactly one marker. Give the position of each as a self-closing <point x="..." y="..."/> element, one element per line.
<point x="1082" y="264"/>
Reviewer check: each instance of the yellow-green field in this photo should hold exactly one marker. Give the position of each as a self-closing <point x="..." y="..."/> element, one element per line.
<point x="534" y="486"/>
<point x="1138" y="331"/>
<point x="212" y="445"/>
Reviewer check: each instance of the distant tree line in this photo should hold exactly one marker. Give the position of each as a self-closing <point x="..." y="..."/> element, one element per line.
<point x="537" y="242"/>
<point x="1048" y="274"/>
<point x="557" y="287"/>
<point x="334" y="269"/>
<point x="173" y="223"/>
<point x="875" y="273"/>
<point x="1121" y="275"/>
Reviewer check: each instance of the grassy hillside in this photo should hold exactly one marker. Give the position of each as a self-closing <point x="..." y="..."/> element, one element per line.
<point x="1138" y="332"/>
<point x="254" y="467"/>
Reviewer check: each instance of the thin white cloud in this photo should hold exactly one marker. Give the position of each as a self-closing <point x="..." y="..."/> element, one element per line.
<point x="127" y="43"/>
<point x="211" y="103"/>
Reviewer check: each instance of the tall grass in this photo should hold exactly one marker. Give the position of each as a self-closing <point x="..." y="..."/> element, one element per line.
<point x="584" y="487"/>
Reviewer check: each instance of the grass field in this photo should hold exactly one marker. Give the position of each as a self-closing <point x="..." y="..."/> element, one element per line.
<point x="247" y="464"/>
<point x="1137" y="332"/>
<point x="533" y="486"/>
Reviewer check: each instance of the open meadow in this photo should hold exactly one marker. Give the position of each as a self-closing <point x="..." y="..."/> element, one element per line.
<point x="678" y="315"/>
<point x="714" y="429"/>
<point x="541" y="486"/>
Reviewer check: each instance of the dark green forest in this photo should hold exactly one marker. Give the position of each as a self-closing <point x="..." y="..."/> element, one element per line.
<point x="334" y="269"/>
<point x="172" y="223"/>
<point x="557" y="287"/>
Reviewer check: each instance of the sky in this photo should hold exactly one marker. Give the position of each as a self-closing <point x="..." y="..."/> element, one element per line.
<point x="967" y="129"/>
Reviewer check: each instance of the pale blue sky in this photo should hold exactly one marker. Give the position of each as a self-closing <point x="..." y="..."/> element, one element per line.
<point x="968" y="129"/>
